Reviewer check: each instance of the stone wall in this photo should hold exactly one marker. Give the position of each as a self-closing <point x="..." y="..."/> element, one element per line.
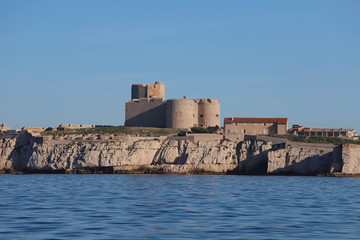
<point x="138" y="91"/>
<point x="146" y="113"/>
<point x="282" y="129"/>
<point x="156" y="90"/>
<point x="75" y="126"/>
<point x="10" y="133"/>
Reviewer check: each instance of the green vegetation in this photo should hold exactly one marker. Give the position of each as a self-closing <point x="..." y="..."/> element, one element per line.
<point x="121" y="130"/>
<point x="317" y="139"/>
<point x="201" y="130"/>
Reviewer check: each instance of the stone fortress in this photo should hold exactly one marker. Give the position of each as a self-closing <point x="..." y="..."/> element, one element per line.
<point x="148" y="108"/>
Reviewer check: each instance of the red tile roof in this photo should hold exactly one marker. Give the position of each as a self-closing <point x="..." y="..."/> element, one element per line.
<point x="255" y="120"/>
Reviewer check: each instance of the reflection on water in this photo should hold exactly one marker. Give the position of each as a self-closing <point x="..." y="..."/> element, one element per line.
<point x="164" y="206"/>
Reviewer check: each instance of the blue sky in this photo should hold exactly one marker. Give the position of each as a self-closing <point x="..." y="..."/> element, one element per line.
<point x="75" y="61"/>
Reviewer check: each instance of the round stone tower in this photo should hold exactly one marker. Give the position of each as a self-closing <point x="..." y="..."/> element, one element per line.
<point x="209" y="112"/>
<point x="180" y="113"/>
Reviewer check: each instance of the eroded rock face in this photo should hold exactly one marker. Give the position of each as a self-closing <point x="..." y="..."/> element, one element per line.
<point x="155" y="155"/>
<point x="7" y="146"/>
<point x="15" y="152"/>
<point x="55" y="156"/>
<point x="253" y="156"/>
<point x="351" y="159"/>
<point x="177" y="155"/>
<point x="208" y="156"/>
<point x="300" y="160"/>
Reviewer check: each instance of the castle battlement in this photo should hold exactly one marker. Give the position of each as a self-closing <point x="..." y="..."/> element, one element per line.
<point x="156" y="90"/>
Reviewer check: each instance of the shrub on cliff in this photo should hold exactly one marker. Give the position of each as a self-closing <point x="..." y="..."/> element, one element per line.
<point x="121" y="130"/>
<point x="200" y="130"/>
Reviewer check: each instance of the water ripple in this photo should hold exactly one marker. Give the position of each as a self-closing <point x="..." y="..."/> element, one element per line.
<point x="173" y="207"/>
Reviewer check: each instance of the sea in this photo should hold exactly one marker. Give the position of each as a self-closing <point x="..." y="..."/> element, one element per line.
<point x="178" y="207"/>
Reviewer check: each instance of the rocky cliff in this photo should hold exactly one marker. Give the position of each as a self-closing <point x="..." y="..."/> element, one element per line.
<point x="128" y="154"/>
<point x="177" y="155"/>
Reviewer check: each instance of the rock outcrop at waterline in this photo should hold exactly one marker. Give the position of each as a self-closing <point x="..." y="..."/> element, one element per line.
<point x="178" y="155"/>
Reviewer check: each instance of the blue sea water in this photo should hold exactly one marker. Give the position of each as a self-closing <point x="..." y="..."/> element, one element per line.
<point x="178" y="207"/>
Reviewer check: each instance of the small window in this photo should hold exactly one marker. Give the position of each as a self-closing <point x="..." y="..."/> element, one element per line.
<point x="254" y="131"/>
<point x="264" y="131"/>
<point x="201" y="115"/>
<point x="263" y="124"/>
<point x="217" y="115"/>
<point x="254" y="124"/>
<point x="243" y="131"/>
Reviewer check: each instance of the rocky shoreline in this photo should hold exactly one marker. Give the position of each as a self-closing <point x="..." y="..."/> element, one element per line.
<point x="176" y="155"/>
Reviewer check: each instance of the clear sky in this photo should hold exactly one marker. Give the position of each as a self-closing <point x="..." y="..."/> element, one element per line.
<point x="74" y="61"/>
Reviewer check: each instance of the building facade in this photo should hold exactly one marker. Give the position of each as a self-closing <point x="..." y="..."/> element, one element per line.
<point x="148" y="108"/>
<point x="324" y="132"/>
<point x="239" y="127"/>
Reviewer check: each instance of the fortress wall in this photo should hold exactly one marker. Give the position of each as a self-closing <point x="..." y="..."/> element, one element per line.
<point x="145" y="113"/>
<point x="71" y="126"/>
<point x="209" y="112"/>
<point x="138" y="91"/>
<point x="179" y="113"/>
<point x="33" y="128"/>
<point x="156" y="90"/>
<point x="195" y="113"/>
<point x="87" y="126"/>
<point x="195" y="138"/>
